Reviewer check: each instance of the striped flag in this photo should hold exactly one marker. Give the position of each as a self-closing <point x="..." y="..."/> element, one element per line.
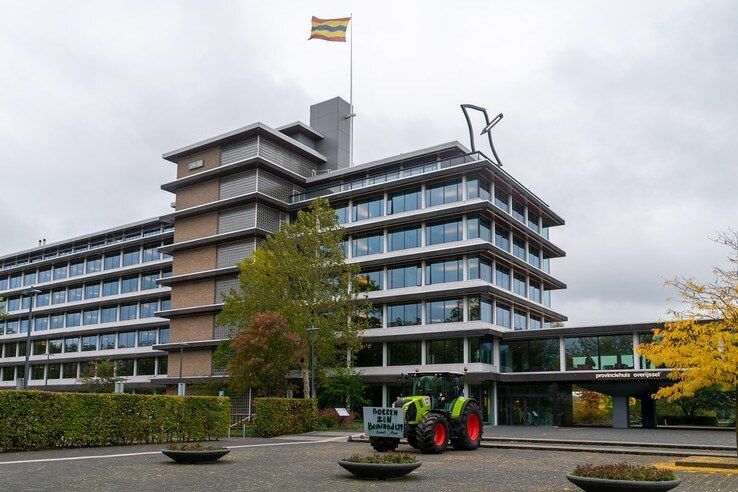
<point x="329" y="29"/>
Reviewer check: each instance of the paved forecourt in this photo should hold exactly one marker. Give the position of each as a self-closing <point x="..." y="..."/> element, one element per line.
<point x="305" y="464"/>
<point x="706" y="437"/>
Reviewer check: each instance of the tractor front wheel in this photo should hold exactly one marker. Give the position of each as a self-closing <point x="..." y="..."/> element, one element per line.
<point x="432" y="433"/>
<point x="468" y="429"/>
<point x="412" y="436"/>
<point x="384" y="444"/>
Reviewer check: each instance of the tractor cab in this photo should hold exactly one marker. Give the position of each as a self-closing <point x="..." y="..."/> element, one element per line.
<point x="441" y="387"/>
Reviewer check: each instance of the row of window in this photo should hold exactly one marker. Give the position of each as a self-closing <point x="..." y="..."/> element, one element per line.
<point x="452" y="311"/>
<point x="145" y="366"/>
<point x="93" y="316"/>
<point x="443" y="351"/>
<point x="581" y="353"/>
<point x="87" y="343"/>
<point x="439" y="194"/>
<point x="452" y="270"/>
<point x="385" y="177"/>
<point x="612" y="352"/>
<point x="76" y="293"/>
<point x="477" y="226"/>
<point x="88" y="245"/>
<point x="109" y="261"/>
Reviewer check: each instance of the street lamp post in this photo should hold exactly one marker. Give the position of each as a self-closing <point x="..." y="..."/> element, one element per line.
<point x="312" y="361"/>
<point x="180" y="384"/>
<point x="27" y="368"/>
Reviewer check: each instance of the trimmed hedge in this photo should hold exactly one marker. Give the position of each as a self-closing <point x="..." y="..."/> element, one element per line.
<point x="38" y="420"/>
<point x="279" y="416"/>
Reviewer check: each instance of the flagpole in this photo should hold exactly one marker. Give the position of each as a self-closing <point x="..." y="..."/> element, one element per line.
<point x="351" y="92"/>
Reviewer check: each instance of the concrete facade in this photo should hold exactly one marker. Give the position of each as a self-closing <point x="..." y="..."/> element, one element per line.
<point x="98" y="298"/>
<point x="456" y="253"/>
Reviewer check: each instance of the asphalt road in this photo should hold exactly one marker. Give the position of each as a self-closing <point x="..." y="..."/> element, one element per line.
<point x="305" y="463"/>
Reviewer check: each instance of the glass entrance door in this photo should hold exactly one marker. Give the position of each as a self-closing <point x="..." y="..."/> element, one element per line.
<point x="483" y="394"/>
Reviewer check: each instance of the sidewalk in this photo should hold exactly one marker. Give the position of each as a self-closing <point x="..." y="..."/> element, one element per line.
<point x="606" y="434"/>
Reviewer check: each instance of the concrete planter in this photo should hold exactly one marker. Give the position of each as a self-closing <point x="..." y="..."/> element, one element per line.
<point x="193" y="457"/>
<point x="605" y="485"/>
<point x="379" y="471"/>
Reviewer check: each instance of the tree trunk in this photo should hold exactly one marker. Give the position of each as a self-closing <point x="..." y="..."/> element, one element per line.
<point x="736" y="421"/>
<point x="305" y="383"/>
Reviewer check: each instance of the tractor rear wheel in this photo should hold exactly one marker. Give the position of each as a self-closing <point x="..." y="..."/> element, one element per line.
<point x="432" y="433"/>
<point x="468" y="428"/>
<point x="384" y="444"/>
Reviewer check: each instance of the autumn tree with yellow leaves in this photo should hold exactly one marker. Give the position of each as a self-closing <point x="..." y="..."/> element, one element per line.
<point x="701" y="342"/>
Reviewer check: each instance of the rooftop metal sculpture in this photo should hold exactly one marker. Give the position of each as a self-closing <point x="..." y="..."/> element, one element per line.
<point x="487" y="129"/>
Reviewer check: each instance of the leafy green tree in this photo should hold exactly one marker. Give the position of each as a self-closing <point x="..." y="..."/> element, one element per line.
<point x="261" y="355"/>
<point x="99" y="377"/>
<point x="706" y="400"/>
<point x="300" y="273"/>
<point x="342" y="388"/>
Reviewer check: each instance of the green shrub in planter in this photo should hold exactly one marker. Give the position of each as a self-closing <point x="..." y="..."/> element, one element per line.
<point x="384" y="459"/>
<point x="39" y="420"/>
<point x="624" y="471"/>
<point x="280" y="416"/>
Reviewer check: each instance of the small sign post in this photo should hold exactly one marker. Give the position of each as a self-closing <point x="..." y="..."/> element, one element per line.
<point x="384" y="422"/>
<point x="342" y="414"/>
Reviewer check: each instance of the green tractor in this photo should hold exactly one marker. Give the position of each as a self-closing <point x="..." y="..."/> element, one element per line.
<point x="435" y="413"/>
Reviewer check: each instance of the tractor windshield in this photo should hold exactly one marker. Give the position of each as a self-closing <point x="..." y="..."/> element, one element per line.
<point x="428" y="386"/>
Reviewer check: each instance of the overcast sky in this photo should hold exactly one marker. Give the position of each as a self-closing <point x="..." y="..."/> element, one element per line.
<point x="623" y="116"/>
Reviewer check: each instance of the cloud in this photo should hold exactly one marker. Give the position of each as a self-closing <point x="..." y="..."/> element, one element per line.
<point x="621" y="116"/>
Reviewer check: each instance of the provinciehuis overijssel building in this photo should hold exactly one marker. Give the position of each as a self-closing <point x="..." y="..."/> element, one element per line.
<point x="454" y="251"/>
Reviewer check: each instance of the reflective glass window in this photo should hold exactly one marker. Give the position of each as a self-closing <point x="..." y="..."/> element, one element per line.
<point x="445" y="351"/>
<point x="444" y="311"/>
<point x="443" y="232"/>
<point x="404" y="314"/>
<point x="404" y="276"/>
<point x="403" y="201"/>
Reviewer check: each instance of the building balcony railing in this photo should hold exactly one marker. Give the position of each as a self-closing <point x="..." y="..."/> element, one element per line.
<point x="389" y="176"/>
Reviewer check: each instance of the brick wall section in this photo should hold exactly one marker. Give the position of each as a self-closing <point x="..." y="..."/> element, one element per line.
<point x="194" y="260"/>
<point x="198" y="194"/>
<point x="191" y="328"/>
<point x="192" y="294"/>
<point x="194" y="363"/>
<point x="195" y="227"/>
<point x="210" y="157"/>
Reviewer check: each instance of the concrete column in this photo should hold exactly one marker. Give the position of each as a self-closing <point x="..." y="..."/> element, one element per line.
<point x="562" y="355"/>
<point x="565" y="415"/>
<point x="636" y="357"/>
<point x="494" y="403"/>
<point x="648" y="412"/>
<point x="384" y="395"/>
<point x="620" y="418"/>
